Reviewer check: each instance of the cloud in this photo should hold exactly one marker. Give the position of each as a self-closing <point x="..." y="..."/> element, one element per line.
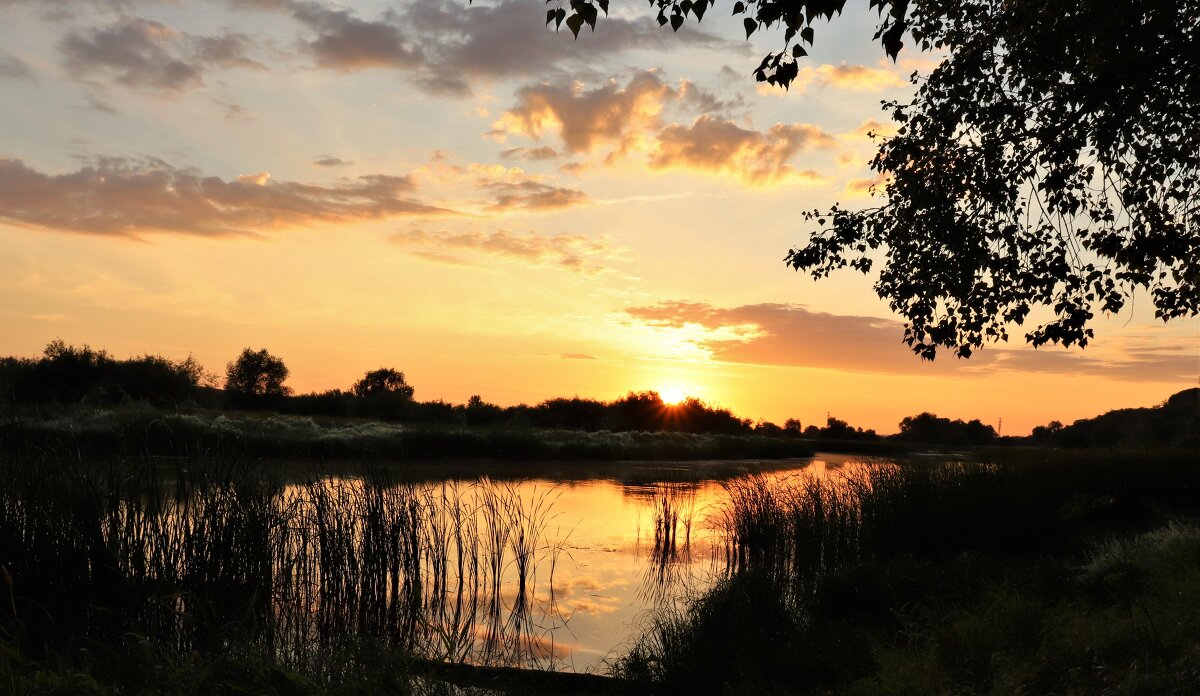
<point x="510" y="38"/>
<point x="1160" y="363"/>
<point x="345" y="42"/>
<point x="446" y="45"/>
<point x="535" y="154"/>
<point x="586" y="119"/>
<point x="14" y="68"/>
<point x="116" y="196"/>
<point x="144" y="54"/>
<point x="792" y="335"/>
<point x="577" y="356"/>
<point x="855" y="78"/>
<point x="856" y="188"/>
<point x="506" y="188"/>
<point x="786" y="334"/>
<point x="530" y="195"/>
<point x="570" y="251"/>
<point x="716" y="145"/>
<point x="623" y="118"/>
<point x="871" y="127"/>
<point x="331" y="161"/>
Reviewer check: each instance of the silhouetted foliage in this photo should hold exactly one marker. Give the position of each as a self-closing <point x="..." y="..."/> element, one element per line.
<point x="1047" y="169"/>
<point x="1174" y="423"/>
<point x="68" y="375"/>
<point x="256" y="379"/>
<point x="927" y="428"/>
<point x="383" y="394"/>
<point x="383" y="382"/>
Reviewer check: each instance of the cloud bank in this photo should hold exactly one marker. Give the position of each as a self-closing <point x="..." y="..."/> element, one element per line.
<point x="116" y="196"/>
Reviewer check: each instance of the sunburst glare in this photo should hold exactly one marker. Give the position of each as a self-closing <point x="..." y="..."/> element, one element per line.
<point x="672" y="394"/>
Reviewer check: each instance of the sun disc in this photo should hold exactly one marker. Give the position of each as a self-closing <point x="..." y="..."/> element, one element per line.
<point x="671" y="395"/>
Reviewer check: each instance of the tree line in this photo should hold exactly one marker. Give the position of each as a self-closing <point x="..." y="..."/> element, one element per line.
<point x="256" y="380"/>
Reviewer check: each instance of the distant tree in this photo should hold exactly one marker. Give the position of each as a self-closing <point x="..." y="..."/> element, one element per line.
<point x="793" y="428"/>
<point x="765" y="427"/>
<point x="384" y="394"/>
<point x="928" y="428"/>
<point x="479" y="412"/>
<point x="1051" y="162"/>
<point x="256" y="377"/>
<point x="384" y="381"/>
<point x="837" y="429"/>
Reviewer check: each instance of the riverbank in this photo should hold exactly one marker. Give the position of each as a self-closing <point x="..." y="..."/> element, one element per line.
<point x="147" y="431"/>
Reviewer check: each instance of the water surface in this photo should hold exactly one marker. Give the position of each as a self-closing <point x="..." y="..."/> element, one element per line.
<point x="619" y="540"/>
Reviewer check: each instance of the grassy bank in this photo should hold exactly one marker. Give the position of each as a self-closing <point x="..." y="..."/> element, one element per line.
<point x="145" y="431"/>
<point x="1049" y="573"/>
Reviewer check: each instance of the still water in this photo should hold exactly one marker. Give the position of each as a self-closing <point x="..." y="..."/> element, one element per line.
<point x="617" y="542"/>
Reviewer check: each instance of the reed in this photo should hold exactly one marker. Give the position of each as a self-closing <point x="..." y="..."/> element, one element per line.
<point x="817" y="570"/>
<point x="220" y="558"/>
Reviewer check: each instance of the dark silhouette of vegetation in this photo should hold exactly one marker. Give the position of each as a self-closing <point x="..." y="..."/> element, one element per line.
<point x="1174" y="423"/>
<point x="1050" y="162"/>
<point x="65" y="376"/>
<point x="836" y="429"/>
<point x="139" y="579"/>
<point x="1041" y="573"/>
<point x="255" y="379"/>
<point x="926" y="428"/>
<point x="384" y="394"/>
<point x="382" y="382"/>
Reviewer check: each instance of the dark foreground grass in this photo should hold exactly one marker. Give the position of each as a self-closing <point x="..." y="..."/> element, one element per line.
<point x="1047" y="574"/>
<point x="134" y="432"/>
<point x="213" y="577"/>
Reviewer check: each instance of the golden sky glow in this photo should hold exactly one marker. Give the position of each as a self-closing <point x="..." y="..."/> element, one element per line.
<point x="460" y="193"/>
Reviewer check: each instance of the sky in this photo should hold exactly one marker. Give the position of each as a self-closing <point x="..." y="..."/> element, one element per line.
<point x="495" y="208"/>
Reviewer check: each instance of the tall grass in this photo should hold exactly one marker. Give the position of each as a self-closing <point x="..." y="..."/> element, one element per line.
<point x="220" y="558"/>
<point x="809" y="558"/>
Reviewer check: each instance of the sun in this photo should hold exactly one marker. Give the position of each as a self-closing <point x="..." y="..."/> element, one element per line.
<point x="672" y="395"/>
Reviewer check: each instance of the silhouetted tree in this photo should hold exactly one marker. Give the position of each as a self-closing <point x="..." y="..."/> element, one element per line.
<point x="1052" y="161"/>
<point x="479" y="412"/>
<point x="384" y="394"/>
<point x="256" y="378"/>
<point x="383" y="382"/>
<point x="928" y="428"/>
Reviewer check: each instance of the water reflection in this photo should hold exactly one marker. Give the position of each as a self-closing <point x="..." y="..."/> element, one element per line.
<point x="550" y="566"/>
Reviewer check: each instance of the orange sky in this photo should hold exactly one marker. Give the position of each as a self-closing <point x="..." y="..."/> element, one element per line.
<point x="490" y="207"/>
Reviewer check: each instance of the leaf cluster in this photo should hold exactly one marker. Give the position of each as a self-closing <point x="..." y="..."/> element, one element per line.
<point x="1051" y="162"/>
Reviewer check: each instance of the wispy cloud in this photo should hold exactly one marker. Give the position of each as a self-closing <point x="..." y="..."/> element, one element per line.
<point x="575" y="252"/>
<point x="855" y="78"/>
<point x="331" y="161"/>
<point x="13" y="68"/>
<point x="530" y="154"/>
<point x="529" y="194"/>
<point x="715" y="145"/>
<point x="116" y="196"/>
